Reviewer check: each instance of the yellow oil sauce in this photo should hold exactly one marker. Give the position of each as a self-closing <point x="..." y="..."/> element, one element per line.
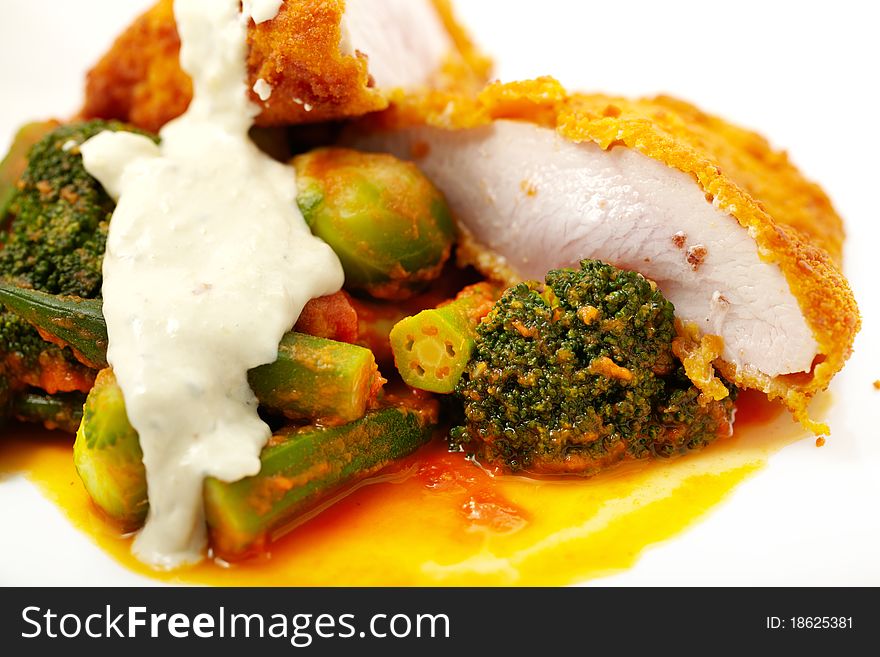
<point x="441" y="520"/>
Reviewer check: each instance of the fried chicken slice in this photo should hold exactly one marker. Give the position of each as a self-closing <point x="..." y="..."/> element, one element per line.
<point x="745" y="247"/>
<point x="317" y="60"/>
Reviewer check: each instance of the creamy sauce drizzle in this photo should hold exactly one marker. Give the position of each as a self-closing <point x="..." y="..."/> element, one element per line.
<point x="208" y="263"/>
<point x="261" y="10"/>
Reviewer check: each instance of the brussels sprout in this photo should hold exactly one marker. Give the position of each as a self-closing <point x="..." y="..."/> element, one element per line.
<point x="389" y="225"/>
<point x="108" y="456"/>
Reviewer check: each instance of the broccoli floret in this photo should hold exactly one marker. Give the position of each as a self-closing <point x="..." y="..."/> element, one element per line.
<point x="60" y="216"/>
<point x="578" y="373"/>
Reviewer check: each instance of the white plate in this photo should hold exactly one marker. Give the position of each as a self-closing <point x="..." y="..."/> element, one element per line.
<point x="804" y="78"/>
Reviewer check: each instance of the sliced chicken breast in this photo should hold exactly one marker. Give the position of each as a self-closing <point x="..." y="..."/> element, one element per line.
<point x="404" y="42"/>
<point x="539" y="180"/>
<point x="316" y="60"/>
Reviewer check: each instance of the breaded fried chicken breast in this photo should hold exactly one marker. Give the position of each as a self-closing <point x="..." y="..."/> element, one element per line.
<point x="743" y="245"/>
<point x="317" y="60"/>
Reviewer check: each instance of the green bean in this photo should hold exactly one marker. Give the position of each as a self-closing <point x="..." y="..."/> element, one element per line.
<point x="312" y="379"/>
<point x="301" y="468"/>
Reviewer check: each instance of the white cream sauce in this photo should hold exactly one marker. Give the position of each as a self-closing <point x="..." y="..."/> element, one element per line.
<point x="263" y="89"/>
<point x="208" y="263"/>
<point x="261" y="10"/>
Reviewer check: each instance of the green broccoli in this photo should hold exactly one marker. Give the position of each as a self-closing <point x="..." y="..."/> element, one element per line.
<point x="61" y="217"/>
<point x="59" y="220"/>
<point x="578" y="374"/>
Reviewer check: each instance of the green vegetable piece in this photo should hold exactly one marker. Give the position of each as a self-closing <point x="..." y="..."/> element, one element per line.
<point x="15" y="162"/>
<point x="62" y="411"/>
<point x="313" y="378"/>
<point x="303" y="468"/>
<point x="108" y="457"/>
<point x="76" y="322"/>
<point x="432" y="349"/>
<point x="316" y="378"/>
<point x="61" y="216"/>
<point x="577" y="374"/>
<point x="376" y="317"/>
<point x="55" y="243"/>
<point x="390" y="227"/>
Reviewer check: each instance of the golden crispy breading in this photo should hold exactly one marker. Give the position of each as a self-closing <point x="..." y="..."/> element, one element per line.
<point x="790" y="218"/>
<point x="140" y="80"/>
<point x="701" y="142"/>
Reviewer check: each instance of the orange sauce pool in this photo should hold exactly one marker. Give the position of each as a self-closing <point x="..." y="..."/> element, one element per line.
<point x="440" y="520"/>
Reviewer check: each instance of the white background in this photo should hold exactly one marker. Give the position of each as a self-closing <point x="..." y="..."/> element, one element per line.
<point x="803" y="73"/>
